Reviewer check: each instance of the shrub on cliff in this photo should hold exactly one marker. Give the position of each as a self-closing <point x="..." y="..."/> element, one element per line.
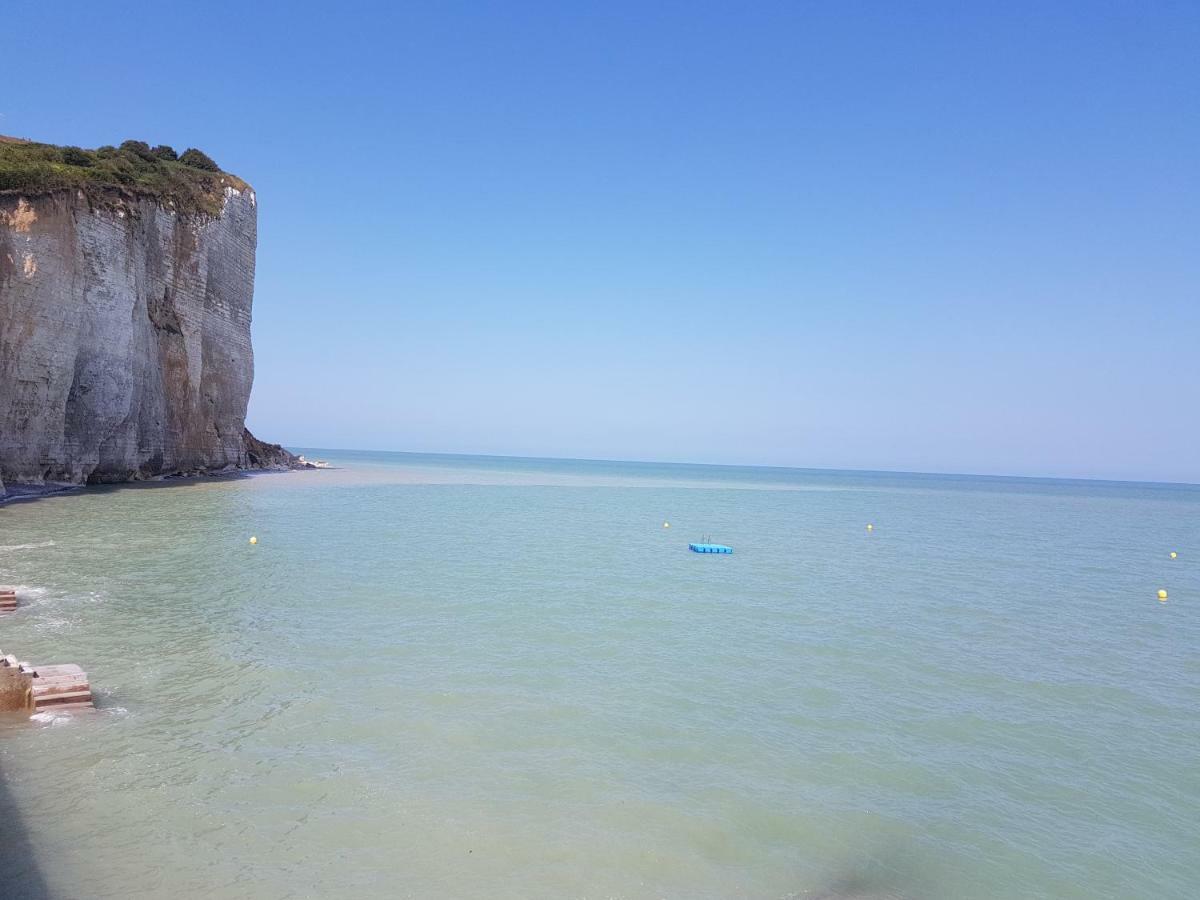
<point x="191" y="185"/>
<point x="197" y="159"/>
<point x="118" y="169"/>
<point x="76" y="156"/>
<point x="25" y="177"/>
<point x="139" y="149"/>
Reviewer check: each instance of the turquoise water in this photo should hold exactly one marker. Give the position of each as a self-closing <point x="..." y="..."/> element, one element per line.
<point x="472" y="677"/>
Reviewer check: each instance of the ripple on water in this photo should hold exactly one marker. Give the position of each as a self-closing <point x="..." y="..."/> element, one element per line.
<point x="39" y="545"/>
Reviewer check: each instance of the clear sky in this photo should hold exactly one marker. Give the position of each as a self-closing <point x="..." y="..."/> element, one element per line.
<point x="952" y="237"/>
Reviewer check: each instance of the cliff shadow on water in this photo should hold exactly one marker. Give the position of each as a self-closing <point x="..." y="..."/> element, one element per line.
<point x="29" y="494"/>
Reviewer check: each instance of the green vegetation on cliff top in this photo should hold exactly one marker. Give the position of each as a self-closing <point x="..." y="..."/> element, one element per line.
<point x="190" y="182"/>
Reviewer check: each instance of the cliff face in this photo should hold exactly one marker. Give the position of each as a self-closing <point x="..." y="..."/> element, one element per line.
<point x="124" y="337"/>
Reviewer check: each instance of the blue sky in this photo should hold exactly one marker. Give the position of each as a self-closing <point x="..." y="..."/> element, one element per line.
<point x="936" y="237"/>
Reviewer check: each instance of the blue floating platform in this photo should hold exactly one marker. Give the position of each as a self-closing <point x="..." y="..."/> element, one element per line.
<point x="709" y="548"/>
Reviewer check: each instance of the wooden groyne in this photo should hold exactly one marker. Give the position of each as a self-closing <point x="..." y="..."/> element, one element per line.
<point x="39" y="688"/>
<point x="61" y="687"/>
<point x="42" y="688"/>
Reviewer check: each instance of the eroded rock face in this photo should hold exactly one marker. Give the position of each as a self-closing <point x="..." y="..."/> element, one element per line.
<point x="16" y="690"/>
<point x="261" y="455"/>
<point x="124" y="337"/>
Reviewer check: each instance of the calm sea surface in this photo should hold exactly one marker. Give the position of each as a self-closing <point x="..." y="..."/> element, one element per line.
<point x="471" y="677"/>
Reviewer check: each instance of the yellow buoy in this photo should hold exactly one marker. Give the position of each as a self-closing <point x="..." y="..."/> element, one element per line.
<point x="666" y="524"/>
<point x="1173" y="554"/>
<point x="870" y="528"/>
<point x="1162" y="595"/>
<point x="254" y="540"/>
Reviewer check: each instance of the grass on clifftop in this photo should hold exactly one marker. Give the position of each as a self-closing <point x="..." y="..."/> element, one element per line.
<point x="189" y="182"/>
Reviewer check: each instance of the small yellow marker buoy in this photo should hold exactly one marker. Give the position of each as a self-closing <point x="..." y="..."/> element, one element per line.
<point x="254" y="540"/>
<point x="870" y="528"/>
<point x="1173" y="554"/>
<point x="666" y="524"/>
<point x="1162" y="595"/>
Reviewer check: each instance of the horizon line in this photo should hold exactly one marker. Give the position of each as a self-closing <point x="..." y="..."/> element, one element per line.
<point x="824" y="469"/>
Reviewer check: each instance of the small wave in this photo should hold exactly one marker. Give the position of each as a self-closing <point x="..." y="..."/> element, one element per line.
<point x="9" y="548"/>
<point x="51" y="718"/>
<point x="51" y="624"/>
<point x="58" y="598"/>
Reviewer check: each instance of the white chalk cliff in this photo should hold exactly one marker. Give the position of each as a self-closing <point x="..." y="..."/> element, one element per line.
<point x="125" y="338"/>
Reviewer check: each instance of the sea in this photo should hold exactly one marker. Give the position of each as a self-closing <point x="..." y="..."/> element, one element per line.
<point x="472" y="677"/>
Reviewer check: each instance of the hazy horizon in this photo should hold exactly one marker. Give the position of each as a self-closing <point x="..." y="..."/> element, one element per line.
<point x="309" y="449"/>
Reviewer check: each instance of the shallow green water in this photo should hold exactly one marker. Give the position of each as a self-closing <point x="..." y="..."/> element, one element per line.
<point x="457" y="677"/>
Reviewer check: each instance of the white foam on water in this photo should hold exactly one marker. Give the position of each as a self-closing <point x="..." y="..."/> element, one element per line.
<point x="29" y="595"/>
<point x="10" y="548"/>
<point x="26" y="592"/>
<point x="51" y="624"/>
<point x="51" y="718"/>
